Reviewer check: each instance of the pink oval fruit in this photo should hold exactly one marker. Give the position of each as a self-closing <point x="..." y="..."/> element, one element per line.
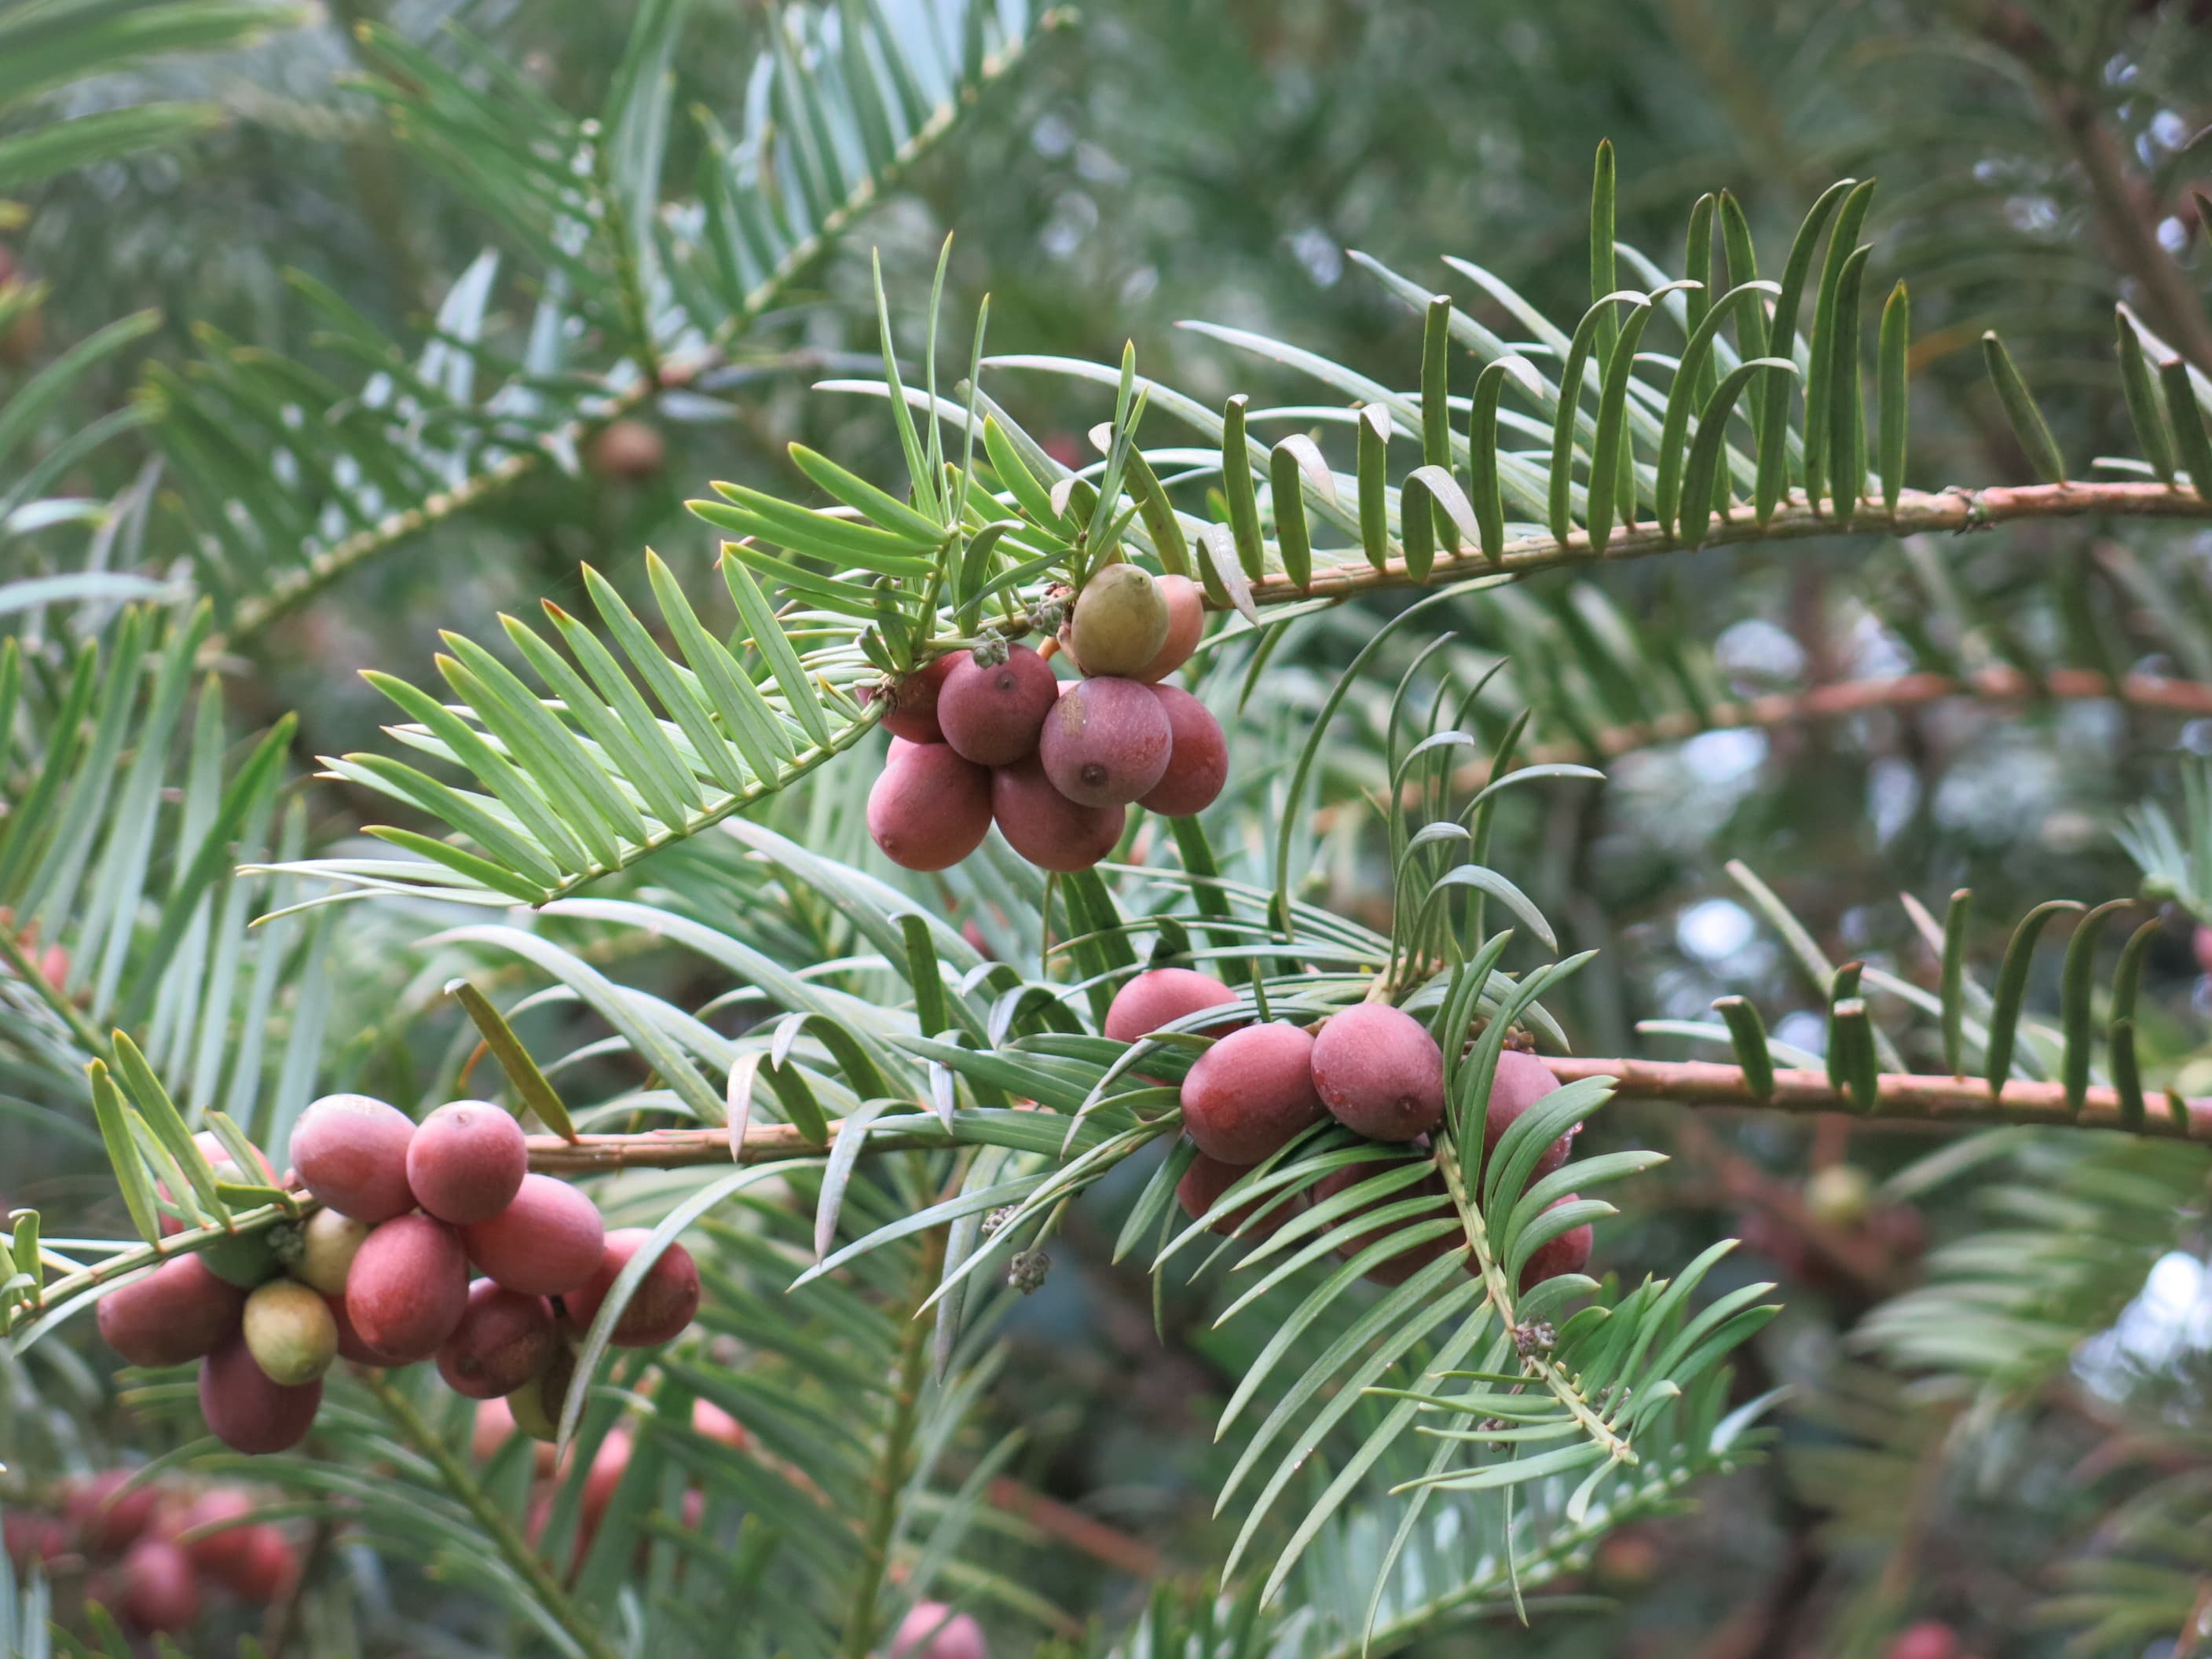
<point x="408" y="1289"/>
<point x="929" y="809"/>
<point x="178" y="1312"/>
<point x="351" y="1152"/>
<point x="350" y="1346"/>
<point x="1160" y="996"/>
<point x="992" y="715"/>
<point x="1045" y="827"/>
<point x="219" y="1553"/>
<point x="1198" y="761"/>
<point x="664" y="1304"/>
<point x="547" y="1243"/>
<point x="109" y="1517"/>
<point x="504" y="1339"/>
<point x="247" y="1411"/>
<point x="1106" y="742"/>
<point x="1186" y="603"/>
<point x="159" y="1590"/>
<point x="1380" y="1072"/>
<point x="466" y="1161"/>
<point x="1251" y="1092"/>
<point x="913" y="711"/>
<point x="1519" y="1083"/>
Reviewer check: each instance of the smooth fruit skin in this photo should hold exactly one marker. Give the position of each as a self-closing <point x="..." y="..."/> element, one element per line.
<point x="1120" y="621"/>
<point x="1045" y="827"/>
<point x="178" y="1312"/>
<point x="932" y="1631"/>
<point x="270" y="1569"/>
<point x="110" y="1518"/>
<point x="1251" y="1092"/>
<point x="1397" y="1269"/>
<point x="350" y="1346"/>
<point x="351" y="1151"/>
<point x="1519" y="1083"/>
<point x="409" y="1288"/>
<point x="913" y="712"/>
<point x="1186" y="603"/>
<point x="1570" y="1253"/>
<point x="247" y="1411"/>
<point x="328" y="1244"/>
<point x="220" y="1553"/>
<point x="504" y="1339"/>
<point x="290" y="1332"/>
<point x="992" y="715"/>
<point x="547" y="1243"/>
<point x="664" y="1302"/>
<point x="1106" y="742"/>
<point x="1198" y="757"/>
<point x="1380" y="1072"/>
<point x="159" y="1590"/>
<point x="466" y="1162"/>
<point x="929" y="809"/>
<point x="1202" y="1186"/>
<point x="1928" y="1639"/>
<point x="1160" y="996"/>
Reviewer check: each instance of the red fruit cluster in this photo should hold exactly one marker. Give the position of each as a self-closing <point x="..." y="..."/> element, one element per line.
<point x="1372" y="1067"/>
<point x="380" y="1276"/>
<point x="995" y="736"/>
<point x="153" y="1563"/>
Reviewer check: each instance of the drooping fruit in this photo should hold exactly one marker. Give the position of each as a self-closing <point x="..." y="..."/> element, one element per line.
<point x="328" y="1244"/>
<point x="247" y="1411"/>
<point x="1186" y="605"/>
<point x="219" y="1553"/>
<point x="1251" y="1092"/>
<point x="1519" y="1083"/>
<point x="271" y="1567"/>
<point x="159" y="1590"/>
<point x="1045" y="827"/>
<point x="1380" y="1072"/>
<point x="1106" y="742"/>
<point x="178" y="1312"/>
<point x="351" y="1151"/>
<point x="913" y="711"/>
<point x="1396" y="1269"/>
<point x="546" y="1243"/>
<point x="350" y="1346"/>
<point x="408" y="1289"/>
<point x="664" y="1302"/>
<point x="1119" y="622"/>
<point x="108" y="1512"/>
<point x="1198" y="757"/>
<point x="1159" y="996"/>
<point x="929" y="809"/>
<point x="1202" y="1186"/>
<point x="1570" y="1253"/>
<point x="504" y="1339"/>
<point x="932" y="1631"/>
<point x="535" y="1406"/>
<point x="289" y="1332"/>
<point x="466" y="1161"/>
<point x="992" y="715"/>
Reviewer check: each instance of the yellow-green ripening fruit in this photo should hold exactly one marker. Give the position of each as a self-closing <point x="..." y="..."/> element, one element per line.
<point x="536" y="1406"/>
<point x="290" y="1332"/>
<point x="1842" y="1195"/>
<point x="1121" y="622"/>
<point x="328" y="1244"/>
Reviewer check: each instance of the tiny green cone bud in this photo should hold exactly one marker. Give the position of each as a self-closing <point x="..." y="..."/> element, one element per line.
<point x="289" y="1333"/>
<point x="1120" y="621"/>
<point x="328" y="1244"/>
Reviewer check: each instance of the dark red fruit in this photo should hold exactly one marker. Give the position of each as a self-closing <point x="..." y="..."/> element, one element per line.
<point x="504" y="1340"/>
<point x="1198" y="761"/>
<point x="466" y="1162"/>
<point x="1251" y="1092"/>
<point x="220" y="1553"/>
<point x="1380" y="1072"/>
<point x="351" y="1151"/>
<point x="350" y="1346"/>
<point x="1045" y="827"/>
<point x="1397" y="1269"/>
<point x="1106" y="742"/>
<point x="1570" y="1253"/>
<point x="992" y="715"/>
<point x="1186" y="603"/>
<point x="178" y="1312"/>
<point x="408" y="1289"/>
<point x="1160" y="996"/>
<point x="248" y="1413"/>
<point x="270" y="1569"/>
<point x="1520" y="1082"/>
<point x="1202" y="1186"/>
<point x="547" y="1243"/>
<point x="928" y="809"/>
<point x="159" y="1590"/>
<point x="109" y="1518"/>
<point x="913" y="711"/>
<point x="664" y="1304"/>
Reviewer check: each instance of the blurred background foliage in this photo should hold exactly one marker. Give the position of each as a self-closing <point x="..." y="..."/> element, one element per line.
<point x="1154" y="160"/>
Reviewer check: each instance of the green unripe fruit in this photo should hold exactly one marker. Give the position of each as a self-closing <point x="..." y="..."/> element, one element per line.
<point x="289" y="1333"/>
<point x="1841" y="1195"/>
<point x="536" y="1406"/>
<point x="1121" y="622"/>
<point x="328" y="1244"/>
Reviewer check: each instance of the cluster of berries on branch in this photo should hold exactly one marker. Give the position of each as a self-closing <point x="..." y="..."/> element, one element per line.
<point x="1372" y="1067"/>
<point x="992" y="735"/>
<point x="379" y="1275"/>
